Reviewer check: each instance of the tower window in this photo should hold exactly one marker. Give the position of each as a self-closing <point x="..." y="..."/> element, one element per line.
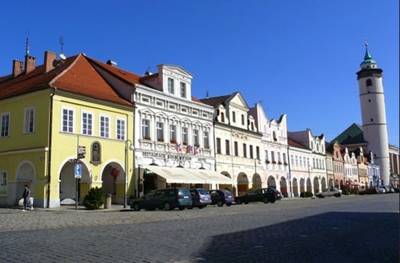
<point x="372" y="119"/>
<point x="369" y="100"/>
<point x="368" y="82"/>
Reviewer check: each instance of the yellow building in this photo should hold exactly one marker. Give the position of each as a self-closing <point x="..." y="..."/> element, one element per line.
<point x="46" y="112"/>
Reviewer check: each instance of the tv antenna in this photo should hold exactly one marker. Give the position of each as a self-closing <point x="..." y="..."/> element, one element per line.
<point x="61" y="42"/>
<point x="27" y="44"/>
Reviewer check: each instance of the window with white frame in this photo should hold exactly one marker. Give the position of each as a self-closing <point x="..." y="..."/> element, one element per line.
<point x="5" y="124"/>
<point x="120" y="129"/>
<point x="206" y="137"/>
<point x="146" y="129"/>
<point x="104" y="126"/>
<point x="196" y="137"/>
<point x="172" y="133"/>
<point x="68" y="120"/>
<point x="171" y="86"/>
<point x="29" y="120"/>
<point x="87" y="123"/>
<point x="183" y="90"/>
<point x="185" y="135"/>
<point x="160" y="131"/>
<point x="3" y="182"/>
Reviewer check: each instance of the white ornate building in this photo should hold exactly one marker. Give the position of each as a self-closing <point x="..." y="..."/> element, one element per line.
<point x="274" y="150"/>
<point x="317" y="160"/>
<point x="299" y="164"/>
<point x="237" y="142"/>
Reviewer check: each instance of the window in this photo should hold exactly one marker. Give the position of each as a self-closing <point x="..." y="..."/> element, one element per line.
<point x="218" y="145"/>
<point x="236" y="148"/>
<point x="206" y="135"/>
<point x="68" y="120"/>
<point x="87" y="123"/>
<point x="3" y="182"/>
<point x="172" y="133"/>
<point x="258" y="153"/>
<point x="29" y="120"/>
<point x="292" y="160"/>
<point x="252" y="126"/>
<point x="242" y="119"/>
<point x="5" y="124"/>
<point x="185" y="135"/>
<point x="297" y="160"/>
<point x="313" y="160"/>
<point x="146" y="129"/>
<point x="227" y="148"/>
<point x="160" y="131"/>
<point x="222" y="117"/>
<point x="251" y="152"/>
<point x="196" y="138"/>
<point x="233" y="116"/>
<point x="244" y="150"/>
<point x="171" y="86"/>
<point x="121" y="129"/>
<point x="284" y="158"/>
<point x="104" y="126"/>
<point x="183" y="90"/>
<point x="368" y="82"/>
<point x="266" y="157"/>
<point x="274" y="136"/>
<point x="273" y="157"/>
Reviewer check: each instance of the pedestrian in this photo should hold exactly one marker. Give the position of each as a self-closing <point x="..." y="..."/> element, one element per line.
<point x="26" y="195"/>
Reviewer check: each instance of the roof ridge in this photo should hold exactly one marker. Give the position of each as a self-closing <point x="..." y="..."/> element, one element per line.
<point x="51" y="82"/>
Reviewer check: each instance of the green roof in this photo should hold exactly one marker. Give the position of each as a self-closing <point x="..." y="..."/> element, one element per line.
<point x="352" y="135"/>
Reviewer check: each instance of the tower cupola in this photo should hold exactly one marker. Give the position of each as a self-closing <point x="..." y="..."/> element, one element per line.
<point x="368" y="62"/>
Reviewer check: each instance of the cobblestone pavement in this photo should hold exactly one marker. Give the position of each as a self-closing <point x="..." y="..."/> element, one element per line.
<point x="347" y="229"/>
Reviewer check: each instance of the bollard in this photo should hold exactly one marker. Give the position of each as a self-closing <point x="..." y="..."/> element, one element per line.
<point x="107" y="204"/>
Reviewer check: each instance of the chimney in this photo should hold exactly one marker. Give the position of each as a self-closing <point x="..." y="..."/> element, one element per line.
<point x="49" y="58"/>
<point x="17" y="68"/>
<point x="30" y="63"/>
<point x="111" y="63"/>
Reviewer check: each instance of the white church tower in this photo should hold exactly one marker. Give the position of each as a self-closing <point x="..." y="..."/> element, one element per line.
<point x="373" y="112"/>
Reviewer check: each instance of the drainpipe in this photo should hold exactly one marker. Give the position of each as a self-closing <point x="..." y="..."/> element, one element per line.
<point x="50" y="145"/>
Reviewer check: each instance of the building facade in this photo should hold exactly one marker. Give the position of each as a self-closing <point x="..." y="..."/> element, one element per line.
<point x="237" y="142"/>
<point x="274" y="151"/>
<point x="394" y="155"/>
<point x="50" y="111"/>
<point x="300" y="169"/>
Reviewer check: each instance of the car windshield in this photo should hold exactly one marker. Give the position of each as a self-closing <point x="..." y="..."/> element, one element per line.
<point x="183" y="192"/>
<point x="203" y="191"/>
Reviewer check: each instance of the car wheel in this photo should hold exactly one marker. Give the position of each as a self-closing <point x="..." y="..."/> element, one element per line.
<point x="272" y="200"/>
<point x="228" y="204"/>
<point x="167" y="206"/>
<point x="265" y="200"/>
<point x="136" y="207"/>
<point x="246" y="202"/>
<point x="220" y="203"/>
<point x="338" y="195"/>
<point x="190" y="207"/>
<point x="181" y="207"/>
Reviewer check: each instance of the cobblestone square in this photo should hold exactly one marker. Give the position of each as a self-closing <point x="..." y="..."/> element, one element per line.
<point x="347" y="229"/>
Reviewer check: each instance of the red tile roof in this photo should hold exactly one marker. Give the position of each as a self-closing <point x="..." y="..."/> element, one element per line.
<point x="215" y="101"/>
<point x="75" y="75"/>
<point x="295" y="143"/>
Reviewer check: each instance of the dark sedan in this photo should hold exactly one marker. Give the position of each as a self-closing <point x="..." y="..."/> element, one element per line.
<point x="266" y="195"/>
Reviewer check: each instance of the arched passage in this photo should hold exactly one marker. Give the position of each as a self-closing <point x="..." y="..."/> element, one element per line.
<point x="316" y="185"/>
<point x="25" y="176"/>
<point x="309" y="188"/>
<point x="113" y="179"/>
<point x="227" y="186"/>
<point x="242" y="184"/>
<point x="331" y="184"/>
<point x="283" y="185"/>
<point x="68" y="183"/>
<point x="295" y="187"/>
<point x="323" y="184"/>
<point x="271" y="181"/>
<point x="302" y="185"/>
<point x="257" y="183"/>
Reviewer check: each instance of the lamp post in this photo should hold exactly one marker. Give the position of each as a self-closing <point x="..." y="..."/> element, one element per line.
<point x="128" y="146"/>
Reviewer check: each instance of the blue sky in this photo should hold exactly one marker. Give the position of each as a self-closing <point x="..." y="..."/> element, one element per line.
<point x="297" y="57"/>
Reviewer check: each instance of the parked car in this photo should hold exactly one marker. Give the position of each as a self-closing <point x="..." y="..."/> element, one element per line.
<point x="166" y="199"/>
<point x="333" y="191"/>
<point x="380" y="190"/>
<point x="221" y="197"/>
<point x="200" y="197"/>
<point x="266" y="195"/>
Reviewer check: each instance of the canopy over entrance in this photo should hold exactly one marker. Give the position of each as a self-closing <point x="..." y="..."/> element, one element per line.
<point x="188" y="176"/>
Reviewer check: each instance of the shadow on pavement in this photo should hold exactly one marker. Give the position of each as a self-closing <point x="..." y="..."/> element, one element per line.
<point x="329" y="237"/>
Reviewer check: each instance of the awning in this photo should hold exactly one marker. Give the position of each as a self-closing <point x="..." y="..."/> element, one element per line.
<point x="188" y="176"/>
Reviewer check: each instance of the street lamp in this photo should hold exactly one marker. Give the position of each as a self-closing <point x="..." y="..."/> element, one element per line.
<point x="128" y="146"/>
